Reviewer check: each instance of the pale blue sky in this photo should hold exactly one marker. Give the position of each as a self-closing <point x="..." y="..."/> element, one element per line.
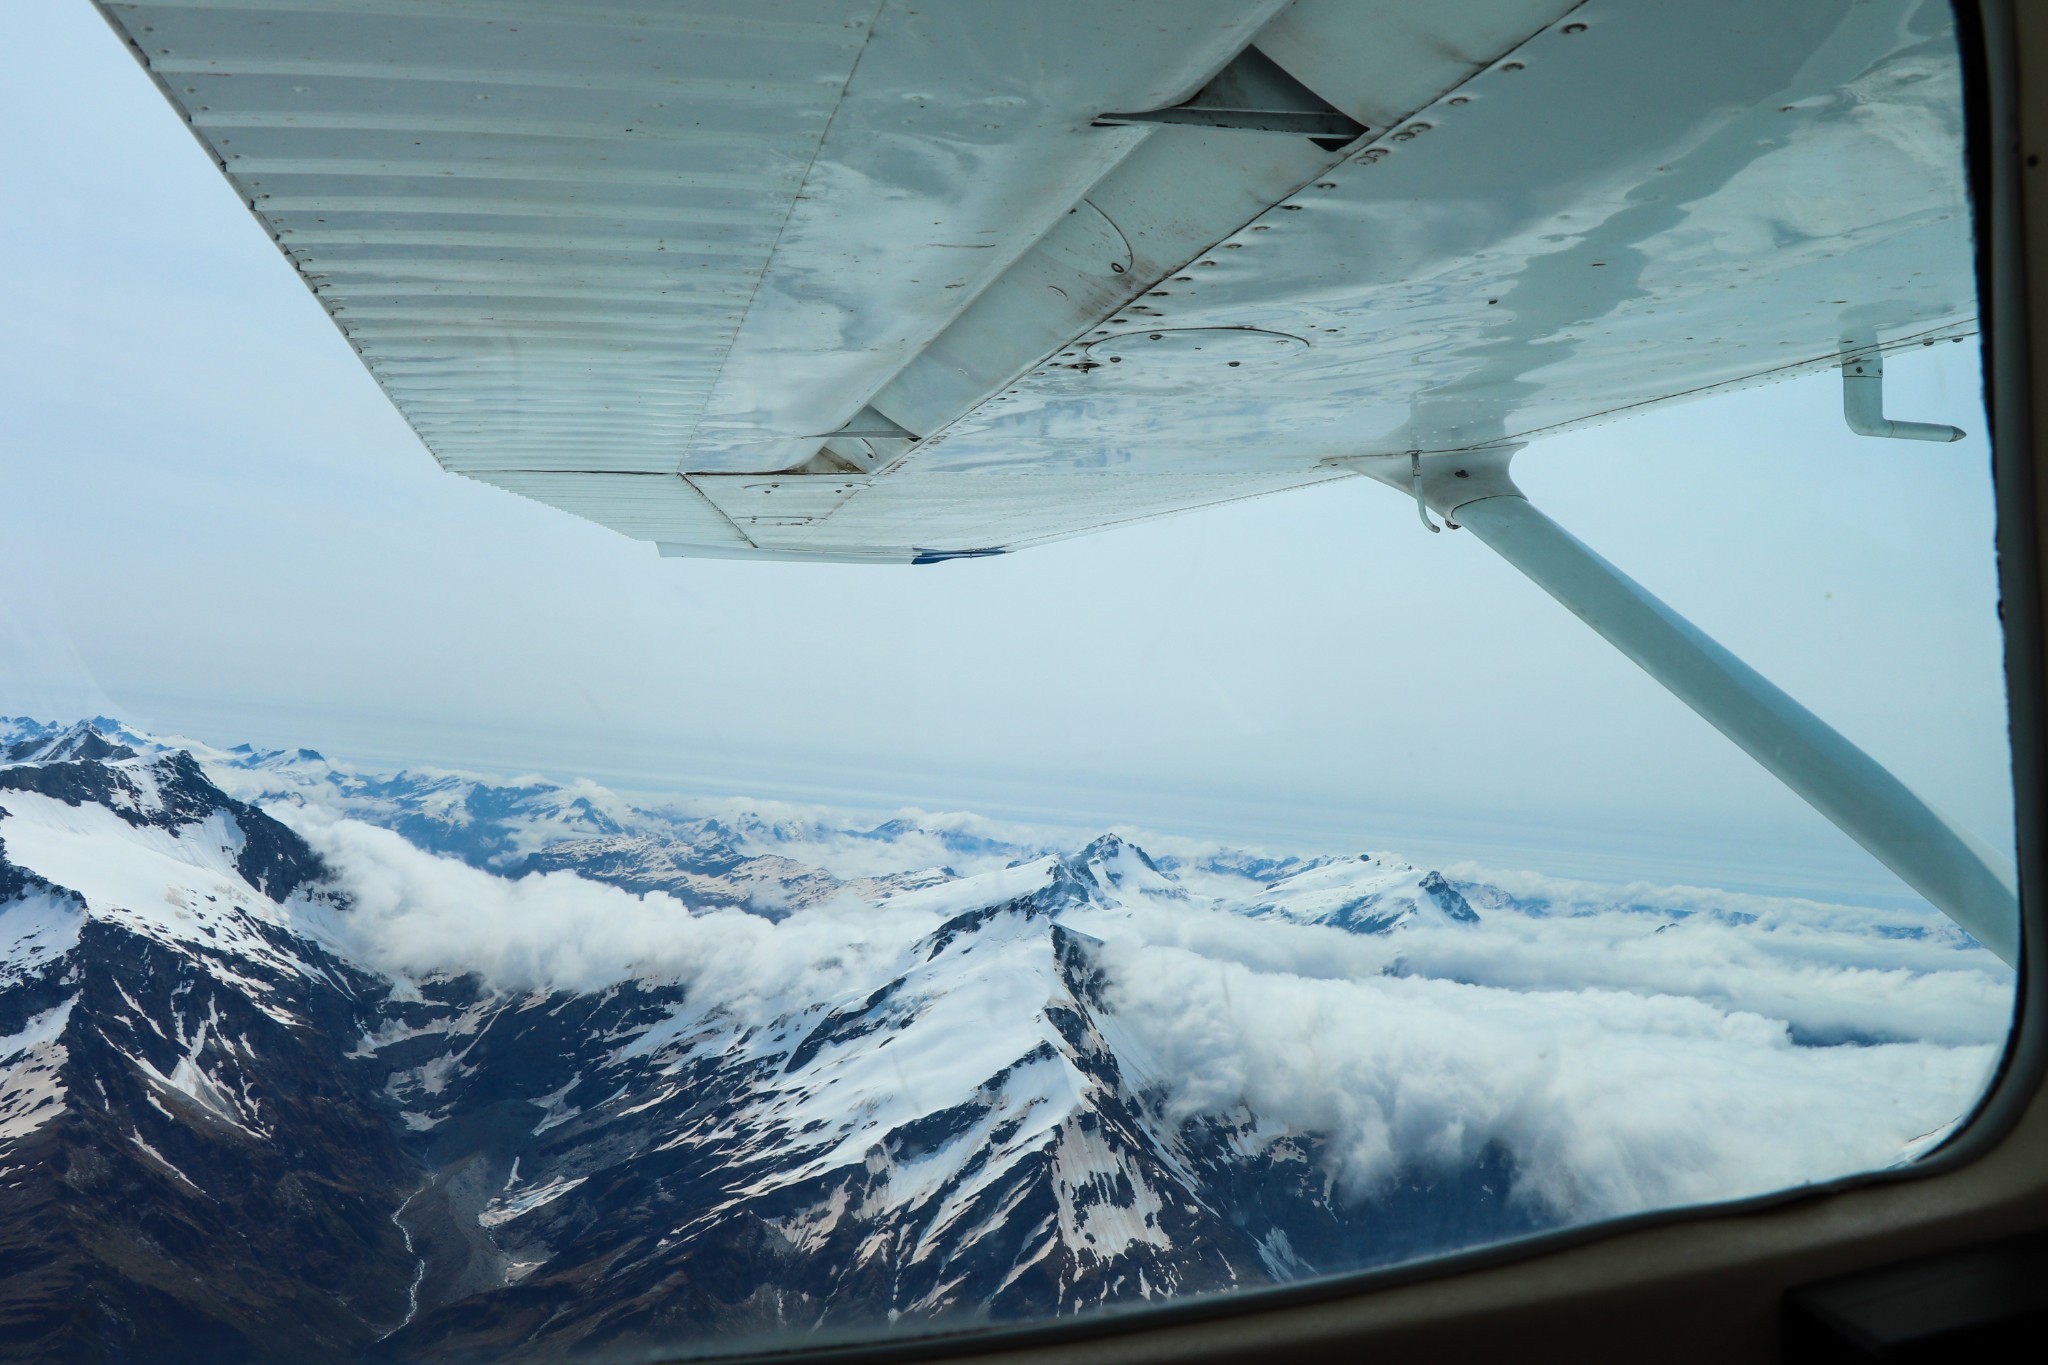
<point x="212" y="522"/>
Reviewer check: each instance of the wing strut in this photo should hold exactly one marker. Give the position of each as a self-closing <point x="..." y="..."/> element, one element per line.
<point x="1965" y="880"/>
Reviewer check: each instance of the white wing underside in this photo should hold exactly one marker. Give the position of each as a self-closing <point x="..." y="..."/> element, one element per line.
<point x="642" y="260"/>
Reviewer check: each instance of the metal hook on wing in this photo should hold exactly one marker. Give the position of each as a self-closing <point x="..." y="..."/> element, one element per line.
<point x="1415" y="482"/>
<point x="1863" y="402"/>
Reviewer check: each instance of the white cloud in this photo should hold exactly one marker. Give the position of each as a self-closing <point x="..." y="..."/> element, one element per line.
<point x="416" y="914"/>
<point x="1637" y="1047"/>
<point x="1622" y="1067"/>
<point x="1609" y="1101"/>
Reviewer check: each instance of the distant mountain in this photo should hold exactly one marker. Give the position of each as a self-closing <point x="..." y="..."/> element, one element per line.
<point x="270" y="1088"/>
<point x="1368" y="896"/>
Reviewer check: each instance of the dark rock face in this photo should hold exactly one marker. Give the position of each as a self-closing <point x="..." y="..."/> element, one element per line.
<point x="235" y="1207"/>
<point x="222" y="1141"/>
<point x="168" y="794"/>
<point x="30" y="740"/>
<point x="1449" y="899"/>
<point x="213" y="1179"/>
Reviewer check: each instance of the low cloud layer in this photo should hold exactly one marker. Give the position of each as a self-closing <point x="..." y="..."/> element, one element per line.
<point x="415" y="914"/>
<point x="1609" y="1101"/>
<point x="1625" y="1059"/>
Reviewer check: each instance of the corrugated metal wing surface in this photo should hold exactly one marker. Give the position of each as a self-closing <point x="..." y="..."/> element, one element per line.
<point x="1648" y="201"/>
<point x="539" y="224"/>
<point x="638" y="259"/>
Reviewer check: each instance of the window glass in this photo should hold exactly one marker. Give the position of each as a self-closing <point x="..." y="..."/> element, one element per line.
<point x="433" y="923"/>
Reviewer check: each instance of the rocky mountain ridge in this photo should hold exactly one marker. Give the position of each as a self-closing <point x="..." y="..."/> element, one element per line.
<point x="225" y="1135"/>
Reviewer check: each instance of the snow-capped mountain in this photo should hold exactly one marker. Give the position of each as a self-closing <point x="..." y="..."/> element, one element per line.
<point x="1370" y="895"/>
<point x="184" y="1146"/>
<point x="295" y="1059"/>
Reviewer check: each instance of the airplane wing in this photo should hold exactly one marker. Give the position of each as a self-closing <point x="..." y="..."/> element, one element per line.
<point x="891" y="281"/>
<point x="904" y="281"/>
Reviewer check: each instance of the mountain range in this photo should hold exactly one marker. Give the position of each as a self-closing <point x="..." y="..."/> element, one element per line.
<point x="297" y="1061"/>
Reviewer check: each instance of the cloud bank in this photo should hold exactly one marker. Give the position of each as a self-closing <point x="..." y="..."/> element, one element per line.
<point x="1625" y="1057"/>
<point x="413" y="914"/>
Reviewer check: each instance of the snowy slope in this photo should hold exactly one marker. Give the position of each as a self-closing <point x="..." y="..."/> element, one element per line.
<point x="1369" y="894"/>
<point x="518" y="1068"/>
<point x="172" y="1083"/>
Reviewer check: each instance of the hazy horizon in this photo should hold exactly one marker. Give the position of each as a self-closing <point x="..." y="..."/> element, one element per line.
<point x="1604" y="857"/>
<point x="217" y="525"/>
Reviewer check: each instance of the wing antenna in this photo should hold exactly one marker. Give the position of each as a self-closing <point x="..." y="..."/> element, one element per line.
<point x="1415" y="482"/>
<point x="1863" y="403"/>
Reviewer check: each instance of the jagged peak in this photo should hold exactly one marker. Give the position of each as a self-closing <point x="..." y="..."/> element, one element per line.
<point x="168" y="791"/>
<point x="1112" y="845"/>
<point x="1369" y="894"/>
<point x="1448" y="899"/>
<point x="25" y="739"/>
<point x="82" y="740"/>
<point x="1111" y="867"/>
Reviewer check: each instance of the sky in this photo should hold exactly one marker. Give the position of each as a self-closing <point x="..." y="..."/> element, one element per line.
<point x="212" y="523"/>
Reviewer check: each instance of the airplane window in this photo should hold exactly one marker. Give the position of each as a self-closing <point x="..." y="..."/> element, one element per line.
<point x="688" y="678"/>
